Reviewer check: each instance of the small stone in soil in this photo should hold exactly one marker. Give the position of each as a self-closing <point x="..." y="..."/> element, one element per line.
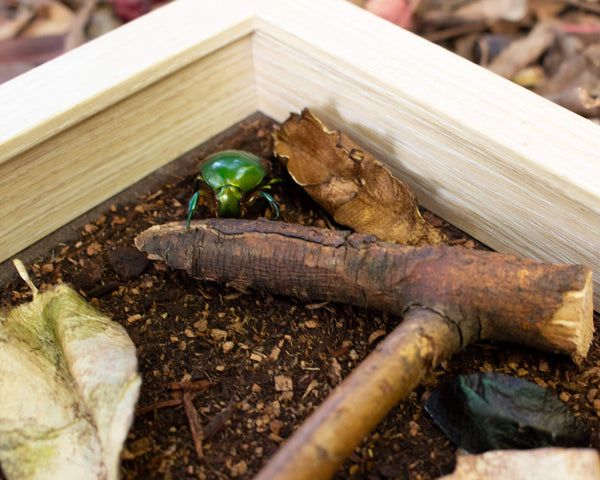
<point x="90" y="274"/>
<point x="128" y="262"/>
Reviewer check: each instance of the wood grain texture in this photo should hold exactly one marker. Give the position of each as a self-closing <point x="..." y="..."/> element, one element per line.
<point x="512" y="169"/>
<point x="83" y="128"/>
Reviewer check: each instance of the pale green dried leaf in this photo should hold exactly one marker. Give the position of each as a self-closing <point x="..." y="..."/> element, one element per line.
<point x="68" y="388"/>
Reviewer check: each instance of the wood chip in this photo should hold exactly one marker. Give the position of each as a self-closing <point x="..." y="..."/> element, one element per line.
<point x="218" y="334"/>
<point x="335" y="372"/>
<point x="375" y="335"/>
<point x="283" y="383"/>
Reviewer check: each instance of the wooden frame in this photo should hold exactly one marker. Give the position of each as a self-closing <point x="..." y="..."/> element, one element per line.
<point x="508" y="167"/>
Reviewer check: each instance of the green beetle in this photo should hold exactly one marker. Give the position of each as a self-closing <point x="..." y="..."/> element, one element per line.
<point x="237" y="179"/>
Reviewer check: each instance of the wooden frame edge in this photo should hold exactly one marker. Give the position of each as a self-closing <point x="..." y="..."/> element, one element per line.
<point x="73" y="144"/>
<point x="83" y="82"/>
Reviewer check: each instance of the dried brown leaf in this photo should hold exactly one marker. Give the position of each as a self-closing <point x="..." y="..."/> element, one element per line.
<point x="576" y="82"/>
<point x="353" y="187"/>
<point x="53" y="18"/>
<point x="10" y="26"/>
<point x="543" y="9"/>
<point x="494" y="10"/>
<point x="478" y="11"/>
<point x="524" y="51"/>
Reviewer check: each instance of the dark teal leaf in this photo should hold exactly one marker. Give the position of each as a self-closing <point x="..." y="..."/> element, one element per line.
<point x="490" y="411"/>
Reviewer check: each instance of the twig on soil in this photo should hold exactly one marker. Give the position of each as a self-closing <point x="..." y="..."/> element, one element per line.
<point x="201" y="385"/>
<point x="195" y="424"/>
<point x="155" y="406"/>
<point x="455" y="31"/>
<point x="586" y="6"/>
<point x="76" y="35"/>
<point x="187" y="385"/>
<point x="218" y="421"/>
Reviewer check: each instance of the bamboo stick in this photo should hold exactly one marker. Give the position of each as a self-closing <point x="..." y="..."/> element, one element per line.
<point x="396" y="366"/>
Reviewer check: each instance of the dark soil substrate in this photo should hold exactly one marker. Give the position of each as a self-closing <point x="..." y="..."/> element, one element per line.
<point x="228" y="347"/>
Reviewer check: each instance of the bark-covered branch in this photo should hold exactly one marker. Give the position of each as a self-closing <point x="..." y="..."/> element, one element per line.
<point x="486" y="295"/>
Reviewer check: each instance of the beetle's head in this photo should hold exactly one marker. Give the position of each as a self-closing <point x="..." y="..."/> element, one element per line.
<point x="228" y="200"/>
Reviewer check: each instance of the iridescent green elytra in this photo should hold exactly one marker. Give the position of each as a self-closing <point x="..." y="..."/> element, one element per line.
<point x="237" y="179"/>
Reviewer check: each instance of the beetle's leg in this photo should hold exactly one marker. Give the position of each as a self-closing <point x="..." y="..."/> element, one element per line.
<point x="260" y="193"/>
<point x="273" y="181"/>
<point x="192" y="207"/>
<point x="193" y="204"/>
<point x="272" y="202"/>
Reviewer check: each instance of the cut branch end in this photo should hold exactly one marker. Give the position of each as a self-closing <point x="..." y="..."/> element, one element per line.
<point x="572" y="325"/>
